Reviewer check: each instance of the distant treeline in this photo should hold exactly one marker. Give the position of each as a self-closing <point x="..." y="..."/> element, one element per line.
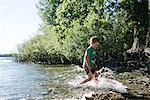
<point x="6" y="55"/>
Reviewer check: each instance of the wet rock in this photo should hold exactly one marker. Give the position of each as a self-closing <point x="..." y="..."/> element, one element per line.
<point x="138" y="83"/>
<point x="44" y="93"/>
<point x="147" y="85"/>
<point x="94" y="95"/>
<point x="130" y="82"/>
<point x="89" y="98"/>
<point x="50" y="90"/>
<point x="108" y="96"/>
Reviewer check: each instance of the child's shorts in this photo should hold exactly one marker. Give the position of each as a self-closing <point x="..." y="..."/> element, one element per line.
<point x="92" y="70"/>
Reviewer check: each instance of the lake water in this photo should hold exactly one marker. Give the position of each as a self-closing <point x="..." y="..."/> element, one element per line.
<point x="33" y="81"/>
<point x="20" y="81"/>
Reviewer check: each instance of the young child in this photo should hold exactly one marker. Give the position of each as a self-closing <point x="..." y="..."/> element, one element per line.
<point x="90" y="59"/>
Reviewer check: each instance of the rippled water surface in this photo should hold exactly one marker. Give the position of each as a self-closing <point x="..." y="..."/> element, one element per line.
<point x="40" y="82"/>
<point x="32" y="81"/>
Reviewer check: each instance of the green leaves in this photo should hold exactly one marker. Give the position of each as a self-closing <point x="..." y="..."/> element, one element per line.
<point x="69" y="24"/>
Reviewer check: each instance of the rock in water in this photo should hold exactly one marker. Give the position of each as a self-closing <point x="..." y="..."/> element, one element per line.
<point x="87" y="96"/>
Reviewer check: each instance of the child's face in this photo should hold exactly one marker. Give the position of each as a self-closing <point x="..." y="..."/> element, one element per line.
<point x="96" y="44"/>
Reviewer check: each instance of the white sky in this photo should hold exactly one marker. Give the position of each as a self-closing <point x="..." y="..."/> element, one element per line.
<point x="18" y="21"/>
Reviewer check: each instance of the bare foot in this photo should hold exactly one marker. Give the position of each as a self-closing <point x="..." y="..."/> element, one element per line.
<point x="96" y="78"/>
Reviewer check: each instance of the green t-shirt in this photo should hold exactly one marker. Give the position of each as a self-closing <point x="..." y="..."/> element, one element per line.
<point x="92" y="57"/>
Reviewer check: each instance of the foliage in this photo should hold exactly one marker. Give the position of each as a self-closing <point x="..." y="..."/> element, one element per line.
<point x="68" y="25"/>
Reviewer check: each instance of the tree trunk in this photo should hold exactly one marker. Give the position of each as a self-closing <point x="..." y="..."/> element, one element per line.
<point x="136" y="57"/>
<point x="136" y="47"/>
<point x="141" y="33"/>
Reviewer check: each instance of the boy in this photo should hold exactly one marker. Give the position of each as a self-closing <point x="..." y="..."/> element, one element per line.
<point x="90" y="59"/>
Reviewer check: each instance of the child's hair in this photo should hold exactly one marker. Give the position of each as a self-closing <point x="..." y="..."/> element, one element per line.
<point x="94" y="39"/>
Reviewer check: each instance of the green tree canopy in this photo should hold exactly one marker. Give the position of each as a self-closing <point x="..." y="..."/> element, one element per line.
<point x="68" y="25"/>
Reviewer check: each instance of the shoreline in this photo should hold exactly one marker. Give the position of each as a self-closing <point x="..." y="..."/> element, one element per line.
<point x="137" y="82"/>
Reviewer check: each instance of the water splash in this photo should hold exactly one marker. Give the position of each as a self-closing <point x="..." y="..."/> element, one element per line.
<point x="105" y="81"/>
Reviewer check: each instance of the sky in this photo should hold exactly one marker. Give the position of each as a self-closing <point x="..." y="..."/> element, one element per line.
<point x="18" y="22"/>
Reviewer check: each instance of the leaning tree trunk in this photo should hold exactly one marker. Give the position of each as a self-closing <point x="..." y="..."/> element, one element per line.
<point x="136" y="57"/>
<point x="136" y="46"/>
<point x="141" y="27"/>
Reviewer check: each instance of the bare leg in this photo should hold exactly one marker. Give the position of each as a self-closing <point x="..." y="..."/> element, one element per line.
<point x="96" y="75"/>
<point x="88" y="79"/>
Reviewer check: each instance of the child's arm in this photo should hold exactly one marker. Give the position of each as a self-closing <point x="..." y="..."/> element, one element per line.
<point x="87" y="61"/>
